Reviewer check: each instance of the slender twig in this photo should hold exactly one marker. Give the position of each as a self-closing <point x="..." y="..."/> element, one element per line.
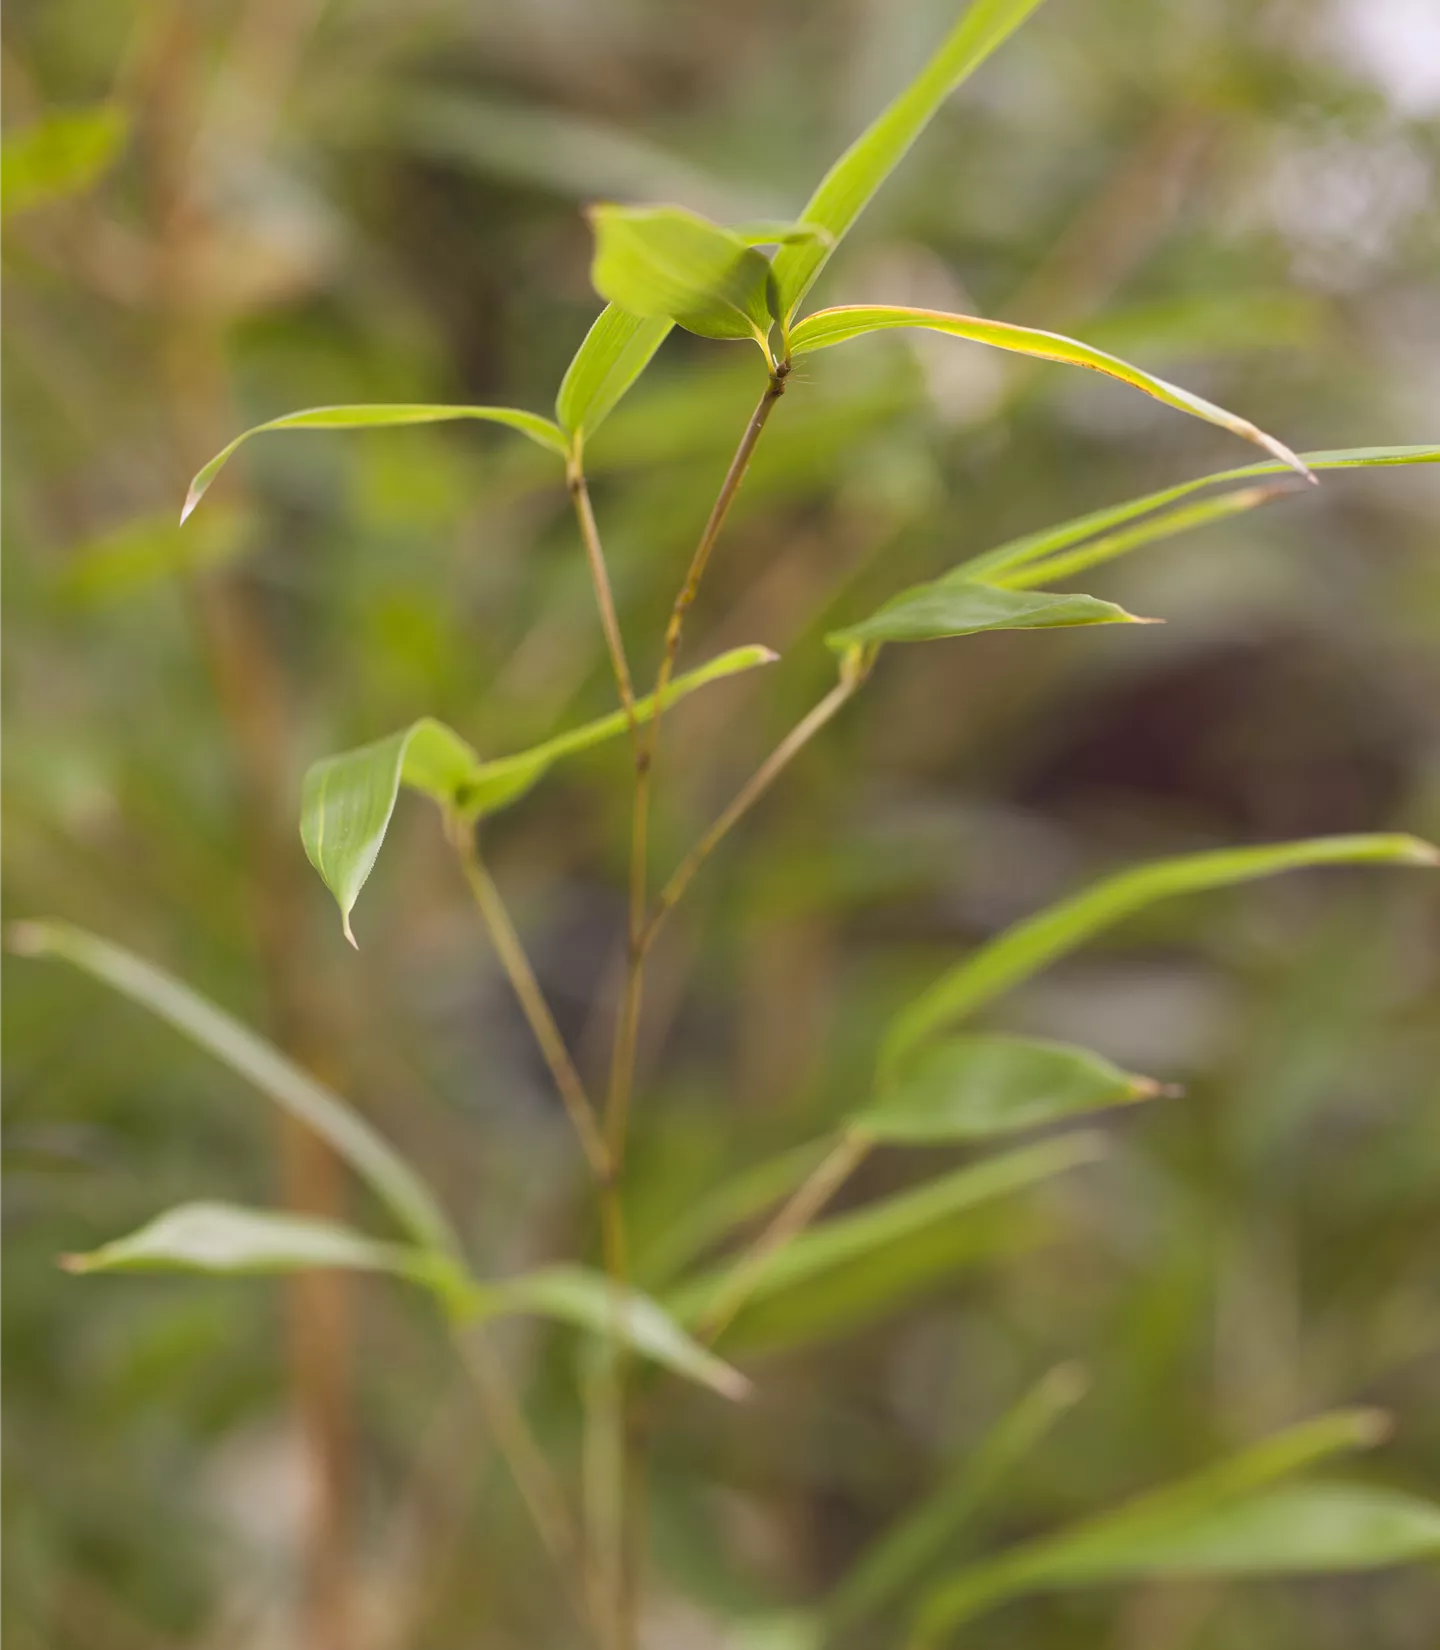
<point x="538" y="1486"/>
<point x="532" y="1000"/>
<point x="745" y="798"/>
<point x="852" y="1148"/>
<point x="622" y="1064"/>
<point x="604" y="596"/>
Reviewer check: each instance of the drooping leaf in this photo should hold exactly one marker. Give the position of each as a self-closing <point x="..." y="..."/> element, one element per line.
<point x="589" y="1300"/>
<point x="849" y="184"/>
<point x="1229" y="1520"/>
<point x="889" y="1569"/>
<point x="1030" y="945"/>
<point x="998" y="565"/>
<point x="61" y="154"/>
<point x="950" y="608"/>
<point x="844" y="1239"/>
<point x="836" y="326"/>
<point x="669" y="264"/>
<point x="347" y="800"/>
<point x="227" y="1238"/>
<point x="378" y="1164"/>
<point x="973" y="1087"/>
<point x="380" y="416"/>
<point x="616" y="350"/>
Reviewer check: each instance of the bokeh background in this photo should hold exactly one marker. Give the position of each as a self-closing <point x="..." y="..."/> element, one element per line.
<point x="362" y="200"/>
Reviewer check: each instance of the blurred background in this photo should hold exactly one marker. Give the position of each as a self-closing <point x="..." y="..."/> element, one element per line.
<point x="284" y="203"/>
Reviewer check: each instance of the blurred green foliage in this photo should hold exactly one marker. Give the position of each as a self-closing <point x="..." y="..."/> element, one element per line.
<point x="312" y="203"/>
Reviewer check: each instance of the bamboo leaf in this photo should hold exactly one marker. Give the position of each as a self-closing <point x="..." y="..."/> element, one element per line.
<point x="230" y="1239"/>
<point x="973" y="1087"/>
<point x="61" y="154"/>
<point x="380" y="416"/>
<point x="1000" y="564"/>
<point x="1030" y="945"/>
<point x="892" y="1566"/>
<point x="844" y="1239"/>
<point x="347" y="800"/>
<point x="828" y="327"/>
<point x="591" y="1302"/>
<point x="378" y="1164"/>
<point x="669" y="264"/>
<point x="616" y="350"/>
<point x="848" y="186"/>
<point x="948" y="607"/>
<point x="1231" y="1519"/>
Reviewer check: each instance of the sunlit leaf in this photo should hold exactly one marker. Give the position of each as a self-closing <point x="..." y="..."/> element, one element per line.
<point x="950" y="608"/>
<point x="226" y="1238"/>
<point x="616" y="350"/>
<point x="844" y="1239"/>
<point x="888" y="1571"/>
<point x="61" y="154"/>
<point x="1230" y="1520"/>
<point x="380" y="416"/>
<point x="1000" y="564"/>
<point x="836" y="326"/>
<point x="669" y="264"/>
<point x="590" y="1301"/>
<point x="1030" y="945"/>
<point x="388" y="1175"/>
<point x="968" y="1088"/>
<point x="348" y="799"/>
<point x="854" y="178"/>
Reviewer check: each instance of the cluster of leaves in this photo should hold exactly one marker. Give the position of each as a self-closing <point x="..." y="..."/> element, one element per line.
<point x="659" y="267"/>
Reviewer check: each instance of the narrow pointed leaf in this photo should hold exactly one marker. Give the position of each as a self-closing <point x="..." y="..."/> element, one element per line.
<point x="589" y="1300"/>
<point x="970" y="1088"/>
<point x="669" y="264"/>
<point x="380" y="416"/>
<point x="347" y="800"/>
<point x="1030" y="945"/>
<point x="227" y="1238"/>
<point x="1000" y="564"/>
<point x="950" y="608"/>
<point x="849" y="184"/>
<point x="1232" y="1519"/>
<point x="844" y="1239"/>
<point x="61" y="154"/>
<point x="616" y="350"/>
<point x="378" y="1164"/>
<point x="889" y="1570"/>
<point x="836" y="326"/>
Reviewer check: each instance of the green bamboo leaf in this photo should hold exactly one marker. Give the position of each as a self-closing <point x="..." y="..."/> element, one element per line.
<point x="889" y="1569"/>
<point x="1030" y="945"/>
<point x="227" y="1238"/>
<point x="849" y="184"/>
<point x="379" y="1165"/>
<point x="845" y="1239"/>
<point x="590" y="1301"/>
<point x="616" y="350"/>
<point x="828" y="327"/>
<point x="973" y="1087"/>
<point x="1000" y="564"/>
<point x="380" y="416"/>
<point x="670" y="264"/>
<point x="61" y="154"/>
<point x="347" y="800"/>
<point x="948" y="607"/>
<point x="1229" y="1520"/>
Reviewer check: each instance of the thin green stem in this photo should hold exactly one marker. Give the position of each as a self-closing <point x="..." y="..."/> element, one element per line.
<point x="532" y="1000"/>
<point x="745" y="798"/>
<point x="850" y="1151"/>
<point x="600" y="580"/>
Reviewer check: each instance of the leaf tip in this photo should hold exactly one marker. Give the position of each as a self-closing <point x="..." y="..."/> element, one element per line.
<point x="1420" y="852"/>
<point x="1372" y="1427"/>
<point x="348" y="930"/>
<point x="73" y="1263"/>
<point x="1149" y="1088"/>
<point x="731" y="1384"/>
<point x="192" y="498"/>
<point x="27" y="939"/>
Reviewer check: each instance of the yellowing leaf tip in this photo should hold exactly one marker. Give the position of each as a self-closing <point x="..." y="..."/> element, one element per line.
<point x="349" y="931"/>
<point x="192" y="498"/>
